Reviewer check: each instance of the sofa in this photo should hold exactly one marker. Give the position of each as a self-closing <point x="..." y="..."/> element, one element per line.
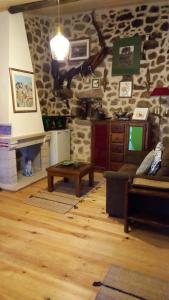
<point x="127" y="192"/>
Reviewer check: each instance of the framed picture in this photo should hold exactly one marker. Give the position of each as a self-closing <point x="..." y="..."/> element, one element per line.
<point x="23" y="91"/>
<point x="140" y="113"/>
<point x="95" y="83"/>
<point x="126" y="56"/>
<point x="125" y="89"/>
<point x="79" y="50"/>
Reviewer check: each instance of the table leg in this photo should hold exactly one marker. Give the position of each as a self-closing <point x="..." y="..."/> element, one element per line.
<point x="78" y="186"/>
<point x="50" y="183"/>
<point x="91" y="178"/>
<point x="126" y="204"/>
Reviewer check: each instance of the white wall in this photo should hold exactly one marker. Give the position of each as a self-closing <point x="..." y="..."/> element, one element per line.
<point x="4" y="70"/>
<point x="16" y="55"/>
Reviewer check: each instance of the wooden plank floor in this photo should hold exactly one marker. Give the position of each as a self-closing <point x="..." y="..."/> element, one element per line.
<point x="50" y="256"/>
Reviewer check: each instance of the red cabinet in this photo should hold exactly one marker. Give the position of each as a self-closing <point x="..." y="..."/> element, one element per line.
<point x="112" y="139"/>
<point x="100" y="141"/>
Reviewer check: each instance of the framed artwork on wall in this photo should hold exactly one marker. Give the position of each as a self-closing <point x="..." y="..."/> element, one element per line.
<point x="125" y="89"/>
<point x="79" y="50"/>
<point x="95" y="83"/>
<point x="126" y="56"/>
<point x="140" y="113"/>
<point x="23" y="91"/>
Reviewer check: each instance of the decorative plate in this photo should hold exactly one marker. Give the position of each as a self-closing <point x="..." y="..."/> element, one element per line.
<point x="67" y="163"/>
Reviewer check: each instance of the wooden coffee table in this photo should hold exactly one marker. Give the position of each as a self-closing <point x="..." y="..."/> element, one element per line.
<point x="69" y="172"/>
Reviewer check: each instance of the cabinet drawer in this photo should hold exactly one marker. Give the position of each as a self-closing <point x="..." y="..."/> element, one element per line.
<point x="117" y="127"/>
<point x="116" y="157"/>
<point x="115" y="166"/>
<point x="119" y="148"/>
<point x="117" y="137"/>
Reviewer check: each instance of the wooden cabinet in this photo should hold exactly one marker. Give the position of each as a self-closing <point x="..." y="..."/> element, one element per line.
<point x="113" y="139"/>
<point x="127" y="136"/>
<point x="146" y="206"/>
<point x="117" y="144"/>
<point x="100" y="141"/>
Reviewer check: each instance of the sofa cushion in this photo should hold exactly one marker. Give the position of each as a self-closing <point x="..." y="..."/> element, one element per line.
<point x="165" y="157"/>
<point x="152" y="182"/>
<point x="156" y="164"/>
<point x="129" y="169"/>
<point x="135" y="157"/>
<point x="146" y="163"/>
<point x="163" y="171"/>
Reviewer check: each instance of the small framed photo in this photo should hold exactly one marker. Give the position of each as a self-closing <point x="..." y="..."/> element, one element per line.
<point x="140" y="113"/>
<point x="95" y="83"/>
<point x="125" y="89"/>
<point x="79" y="50"/>
<point x="23" y="91"/>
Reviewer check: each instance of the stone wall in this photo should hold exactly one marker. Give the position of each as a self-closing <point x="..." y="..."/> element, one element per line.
<point x="151" y="22"/>
<point x="80" y="140"/>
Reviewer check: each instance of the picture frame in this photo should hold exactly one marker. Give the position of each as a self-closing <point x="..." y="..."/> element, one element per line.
<point x="125" y="89"/>
<point x="140" y="113"/>
<point x="23" y="91"/>
<point x="79" y="50"/>
<point x="126" y="56"/>
<point x="95" y="83"/>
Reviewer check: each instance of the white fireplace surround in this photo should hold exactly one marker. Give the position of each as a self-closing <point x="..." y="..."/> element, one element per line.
<point x="11" y="175"/>
<point x="26" y="127"/>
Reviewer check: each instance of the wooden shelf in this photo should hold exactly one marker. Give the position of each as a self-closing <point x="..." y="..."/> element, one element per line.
<point x="149" y="192"/>
<point x="151" y="219"/>
<point x="148" y="207"/>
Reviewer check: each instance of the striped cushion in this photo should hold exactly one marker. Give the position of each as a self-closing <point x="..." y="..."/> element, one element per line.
<point x="158" y="184"/>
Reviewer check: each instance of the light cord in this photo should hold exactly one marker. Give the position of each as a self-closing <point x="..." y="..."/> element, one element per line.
<point x="58" y="15"/>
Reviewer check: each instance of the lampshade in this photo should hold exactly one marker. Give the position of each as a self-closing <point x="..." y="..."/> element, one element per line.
<point x="59" y="44"/>
<point x="160" y="91"/>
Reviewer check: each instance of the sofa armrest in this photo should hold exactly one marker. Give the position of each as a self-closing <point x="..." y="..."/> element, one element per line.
<point x="116" y="192"/>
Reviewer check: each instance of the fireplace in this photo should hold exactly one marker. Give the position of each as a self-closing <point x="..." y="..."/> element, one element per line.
<point x="14" y="152"/>
<point x="22" y="135"/>
<point x="31" y="153"/>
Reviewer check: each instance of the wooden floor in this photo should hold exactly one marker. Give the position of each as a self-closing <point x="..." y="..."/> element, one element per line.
<point x="49" y="256"/>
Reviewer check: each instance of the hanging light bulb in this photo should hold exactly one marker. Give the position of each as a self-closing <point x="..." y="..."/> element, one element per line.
<point x="59" y="44"/>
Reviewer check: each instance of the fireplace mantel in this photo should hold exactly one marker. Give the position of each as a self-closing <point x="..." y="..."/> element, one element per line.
<point x="24" y="140"/>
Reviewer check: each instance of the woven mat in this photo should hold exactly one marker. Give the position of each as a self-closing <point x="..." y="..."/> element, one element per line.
<point x="63" y="198"/>
<point x="53" y="201"/>
<point x="123" y="284"/>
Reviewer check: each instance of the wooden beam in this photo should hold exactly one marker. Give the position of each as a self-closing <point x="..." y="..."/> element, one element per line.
<point x="36" y="5"/>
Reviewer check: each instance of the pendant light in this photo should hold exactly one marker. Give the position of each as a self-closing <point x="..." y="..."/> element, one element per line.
<point x="59" y="44"/>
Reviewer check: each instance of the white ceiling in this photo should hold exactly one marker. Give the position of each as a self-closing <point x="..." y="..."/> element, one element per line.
<point x="79" y="6"/>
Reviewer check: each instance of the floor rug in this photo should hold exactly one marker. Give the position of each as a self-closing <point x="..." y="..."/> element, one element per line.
<point x="123" y="284"/>
<point x="63" y="198"/>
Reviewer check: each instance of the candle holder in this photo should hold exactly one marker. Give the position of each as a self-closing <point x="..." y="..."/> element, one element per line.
<point x="160" y="92"/>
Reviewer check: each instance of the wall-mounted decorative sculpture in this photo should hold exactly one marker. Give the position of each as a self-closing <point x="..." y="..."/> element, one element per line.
<point x="85" y="69"/>
<point x="148" y="82"/>
<point x="105" y="80"/>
